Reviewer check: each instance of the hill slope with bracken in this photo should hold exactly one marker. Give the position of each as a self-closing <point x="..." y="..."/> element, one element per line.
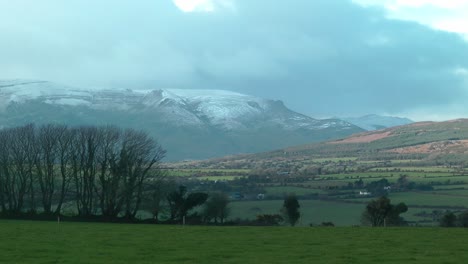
<point x="449" y="137"/>
<point x="422" y="141"/>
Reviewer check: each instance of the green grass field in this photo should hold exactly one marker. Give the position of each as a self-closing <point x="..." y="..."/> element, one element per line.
<point x="218" y="178"/>
<point x="430" y="169"/>
<point x="284" y="190"/>
<point x="49" y="242"/>
<point x="202" y="172"/>
<point x="313" y="211"/>
<point x="428" y="199"/>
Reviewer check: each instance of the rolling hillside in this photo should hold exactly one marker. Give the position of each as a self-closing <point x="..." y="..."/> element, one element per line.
<point x="424" y="165"/>
<point x="417" y="138"/>
<point x="422" y="140"/>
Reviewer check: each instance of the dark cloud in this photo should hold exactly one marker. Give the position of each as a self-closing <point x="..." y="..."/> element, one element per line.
<point x="320" y="57"/>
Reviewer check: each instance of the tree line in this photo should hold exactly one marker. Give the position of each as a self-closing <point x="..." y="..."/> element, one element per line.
<point x="96" y="170"/>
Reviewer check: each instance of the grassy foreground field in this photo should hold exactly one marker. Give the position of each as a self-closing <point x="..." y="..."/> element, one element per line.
<point x="49" y="242"/>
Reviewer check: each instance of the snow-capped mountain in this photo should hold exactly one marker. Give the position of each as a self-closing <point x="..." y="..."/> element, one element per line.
<point x="189" y="123"/>
<point x="375" y="122"/>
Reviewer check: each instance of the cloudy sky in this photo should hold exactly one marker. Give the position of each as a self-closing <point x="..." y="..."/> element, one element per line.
<point x="321" y="57"/>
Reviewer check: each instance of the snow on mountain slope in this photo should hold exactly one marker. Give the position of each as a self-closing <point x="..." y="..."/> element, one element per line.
<point x="190" y="124"/>
<point x="218" y="107"/>
<point x="20" y="91"/>
<point x="224" y="109"/>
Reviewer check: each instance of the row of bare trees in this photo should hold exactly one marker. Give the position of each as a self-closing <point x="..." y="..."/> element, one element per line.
<point x="100" y="170"/>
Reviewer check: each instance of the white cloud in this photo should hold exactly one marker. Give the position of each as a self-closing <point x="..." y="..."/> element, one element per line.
<point x="203" y="5"/>
<point x="194" y="5"/>
<point x="321" y="57"/>
<point x="461" y="71"/>
<point x="437" y="3"/>
<point x="446" y="15"/>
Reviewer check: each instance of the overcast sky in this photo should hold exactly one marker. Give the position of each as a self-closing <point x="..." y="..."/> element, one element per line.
<point x="321" y="57"/>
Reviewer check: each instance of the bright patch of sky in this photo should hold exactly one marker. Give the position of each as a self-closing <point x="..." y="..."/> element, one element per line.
<point x="194" y="5"/>
<point x="203" y="5"/>
<point x="447" y="15"/>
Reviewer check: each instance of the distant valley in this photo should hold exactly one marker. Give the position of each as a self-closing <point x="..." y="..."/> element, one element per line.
<point x="423" y="165"/>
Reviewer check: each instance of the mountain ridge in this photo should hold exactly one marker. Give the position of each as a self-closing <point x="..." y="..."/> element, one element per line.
<point x="189" y="123"/>
<point x="375" y="122"/>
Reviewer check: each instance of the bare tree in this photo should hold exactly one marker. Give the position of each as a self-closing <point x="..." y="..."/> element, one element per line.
<point x="65" y="152"/>
<point x="83" y="161"/>
<point x="15" y="169"/>
<point x="158" y="189"/>
<point x="19" y="163"/>
<point x="6" y="186"/>
<point x="63" y="161"/>
<point x="48" y="153"/>
<point x="140" y="156"/>
<point x="29" y="146"/>
<point x="110" y="184"/>
<point x="105" y="169"/>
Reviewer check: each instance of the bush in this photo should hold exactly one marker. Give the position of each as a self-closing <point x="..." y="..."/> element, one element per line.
<point x="328" y="224"/>
<point x="269" y="219"/>
<point x="448" y="220"/>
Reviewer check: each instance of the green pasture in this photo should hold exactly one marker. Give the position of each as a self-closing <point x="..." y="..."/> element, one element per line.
<point x="324" y="184"/>
<point x="363" y="175"/>
<point x="219" y="178"/>
<point x="429" y="199"/>
<point x="424" y="199"/>
<point x="414" y="218"/>
<point x="284" y="190"/>
<point x="440" y="179"/>
<point x="322" y="160"/>
<point x="201" y="171"/>
<point x="313" y="211"/>
<point x="451" y="186"/>
<point x="404" y="161"/>
<point x="455" y="192"/>
<point x="429" y="169"/>
<point x="422" y="177"/>
<point x="49" y="242"/>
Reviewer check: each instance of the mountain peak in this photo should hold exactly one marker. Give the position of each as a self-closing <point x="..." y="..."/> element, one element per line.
<point x="217" y="122"/>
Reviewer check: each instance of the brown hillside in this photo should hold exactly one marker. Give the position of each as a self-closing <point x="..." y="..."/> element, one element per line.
<point x="446" y="147"/>
<point x="363" y="137"/>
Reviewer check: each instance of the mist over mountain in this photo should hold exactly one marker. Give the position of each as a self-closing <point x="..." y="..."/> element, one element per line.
<point x="190" y="124"/>
<point x="376" y="122"/>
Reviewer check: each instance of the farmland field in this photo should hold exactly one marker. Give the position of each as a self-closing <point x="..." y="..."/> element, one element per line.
<point x="333" y="194"/>
<point x="49" y="242"/>
<point x="313" y="211"/>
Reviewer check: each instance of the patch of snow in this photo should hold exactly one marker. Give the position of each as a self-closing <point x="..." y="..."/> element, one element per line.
<point x="68" y="101"/>
<point x="200" y="93"/>
<point x="227" y="109"/>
